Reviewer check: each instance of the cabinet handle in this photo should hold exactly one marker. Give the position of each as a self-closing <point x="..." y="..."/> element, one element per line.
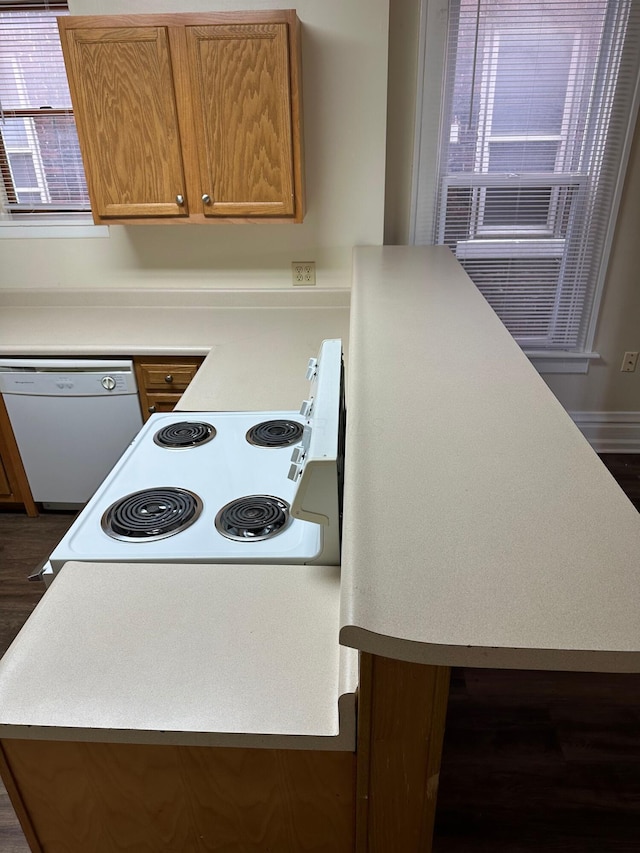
<point x="180" y="200"/>
<point x="151" y="410"/>
<point x="206" y="198"/>
<point x="168" y="378"/>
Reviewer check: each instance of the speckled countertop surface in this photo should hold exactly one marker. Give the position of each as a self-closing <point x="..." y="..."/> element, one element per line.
<point x="480" y="527"/>
<point x="206" y="654"/>
<point x="258" y="341"/>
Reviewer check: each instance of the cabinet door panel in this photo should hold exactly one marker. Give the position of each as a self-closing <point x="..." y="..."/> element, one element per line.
<point x="122" y="88"/>
<point x="242" y="113"/>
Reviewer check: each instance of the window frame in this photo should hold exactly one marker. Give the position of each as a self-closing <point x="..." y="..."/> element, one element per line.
<point x="429" y="148"/>
<point x="41" y="218"/>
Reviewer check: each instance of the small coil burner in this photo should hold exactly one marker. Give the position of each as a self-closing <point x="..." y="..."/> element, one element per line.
<point x="275" y="433"/>
<point x="253" y="518"/>
<point x="185" y="434"/>
<point x="151" y="514"/>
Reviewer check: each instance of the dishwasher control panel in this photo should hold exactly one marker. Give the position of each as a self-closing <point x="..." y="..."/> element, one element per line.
<point x="78" y="382"/>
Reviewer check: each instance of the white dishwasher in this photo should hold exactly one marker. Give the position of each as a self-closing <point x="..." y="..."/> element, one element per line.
<point x="72" y="420"/>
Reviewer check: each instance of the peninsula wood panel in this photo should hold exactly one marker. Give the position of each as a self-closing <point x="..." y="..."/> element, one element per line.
<point x="402" y="710"/>
<point x="18" y="807"/>
<point x="106" y="798"/>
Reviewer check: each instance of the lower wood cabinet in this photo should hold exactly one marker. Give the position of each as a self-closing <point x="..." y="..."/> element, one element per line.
<point x="99" y="797"/>
<point x="162" y="381"/>
<point x="14" y="488"/>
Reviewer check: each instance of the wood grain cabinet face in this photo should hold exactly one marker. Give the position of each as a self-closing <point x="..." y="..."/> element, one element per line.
<point x="14" y="487"/>
<point x="188" y="117"/>
<point x="162" y="381"/>
<point x="5" y="488"/>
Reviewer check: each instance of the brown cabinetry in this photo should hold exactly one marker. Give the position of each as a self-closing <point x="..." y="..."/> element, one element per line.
<point x="188" y="117"/>
<point x="107" y="797"/>
<point x="14" y="488"/>
<point x="162" y="381"/>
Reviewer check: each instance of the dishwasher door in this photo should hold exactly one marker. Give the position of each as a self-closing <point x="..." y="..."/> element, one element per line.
<point x="72" y="420"/>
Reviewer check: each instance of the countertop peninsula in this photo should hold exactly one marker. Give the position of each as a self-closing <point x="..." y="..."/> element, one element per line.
<point x="480" y="528"/>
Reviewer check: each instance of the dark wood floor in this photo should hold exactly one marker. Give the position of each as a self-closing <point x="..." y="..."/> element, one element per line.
<point x="533" y="761"/>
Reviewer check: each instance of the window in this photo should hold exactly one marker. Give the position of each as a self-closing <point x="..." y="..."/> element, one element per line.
<point x="40" y="158"/>
<point x="536" y="114"/>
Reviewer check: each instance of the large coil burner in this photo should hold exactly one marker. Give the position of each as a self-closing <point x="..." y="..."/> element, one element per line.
<point x="151" y="514"/>
<point x="253" y="518"/>
<point x="275" y="433"/>
<point x="185" y="434"/>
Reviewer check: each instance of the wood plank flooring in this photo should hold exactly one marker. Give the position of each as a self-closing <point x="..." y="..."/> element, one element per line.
<point x="532" y="761"/>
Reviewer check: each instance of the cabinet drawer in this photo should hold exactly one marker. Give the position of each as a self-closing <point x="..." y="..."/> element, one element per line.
<point x="161" y="403"/>
<point x="161" y="381"/>
<point x="171" y="377"/>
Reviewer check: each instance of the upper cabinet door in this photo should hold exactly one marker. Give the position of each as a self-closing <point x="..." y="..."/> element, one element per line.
<point x="240" y="85"/>
<point x="188" y="117"/>
<point x="123" y="94"/>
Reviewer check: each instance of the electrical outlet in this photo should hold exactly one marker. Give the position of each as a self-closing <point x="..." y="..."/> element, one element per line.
<point x="303" y="272"/>
<point x="629" y="362"/>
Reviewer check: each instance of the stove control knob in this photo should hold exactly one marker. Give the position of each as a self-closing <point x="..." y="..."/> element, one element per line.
<point x="108" y="383"/>
<point x="306" y="407"/>
<point x="298" y="454"/>
<point x="312" y="368"/>
<point x="294" y="472"/>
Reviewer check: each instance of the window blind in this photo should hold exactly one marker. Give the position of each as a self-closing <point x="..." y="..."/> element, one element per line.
<point x="40" y="159"/>
<point x="538" y="99"/>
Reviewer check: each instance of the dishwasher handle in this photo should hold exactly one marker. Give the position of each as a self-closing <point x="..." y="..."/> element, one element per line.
<point x="61" y="365"/>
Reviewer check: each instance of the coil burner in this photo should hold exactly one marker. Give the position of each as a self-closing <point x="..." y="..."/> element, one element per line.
<point x="276" y="433"/>
<point x="151" y="514"/>
<point x="253" y="518"/>
<point x="185" y="434"/>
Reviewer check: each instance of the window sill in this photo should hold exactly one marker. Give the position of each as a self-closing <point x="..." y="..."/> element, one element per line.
<point x="561" y="362"/>
<point x="46" y="227"/>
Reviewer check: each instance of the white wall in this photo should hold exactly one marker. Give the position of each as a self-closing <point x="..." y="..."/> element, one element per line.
<point x="605" y="387"/>
<point x="344" y="55"/>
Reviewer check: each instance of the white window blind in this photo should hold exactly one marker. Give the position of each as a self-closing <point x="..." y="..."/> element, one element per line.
<point x="537" y="107"/>
<point x="40" y="160"/>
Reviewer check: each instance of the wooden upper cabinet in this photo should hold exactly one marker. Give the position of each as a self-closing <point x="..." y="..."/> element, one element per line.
<point x="188" y="117"/>
<point x="240" y="86"/>
<point x="124" y="102"/>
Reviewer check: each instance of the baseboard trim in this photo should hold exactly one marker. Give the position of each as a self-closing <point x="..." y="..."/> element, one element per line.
<point x="610" y="432"/>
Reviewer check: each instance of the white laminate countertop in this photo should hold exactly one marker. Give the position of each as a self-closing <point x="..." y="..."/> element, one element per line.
<point x="204" y="655"/>
<point x="258" y="341"/>
<point x="480" y="528"/>
<point x="266" y="370"/>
